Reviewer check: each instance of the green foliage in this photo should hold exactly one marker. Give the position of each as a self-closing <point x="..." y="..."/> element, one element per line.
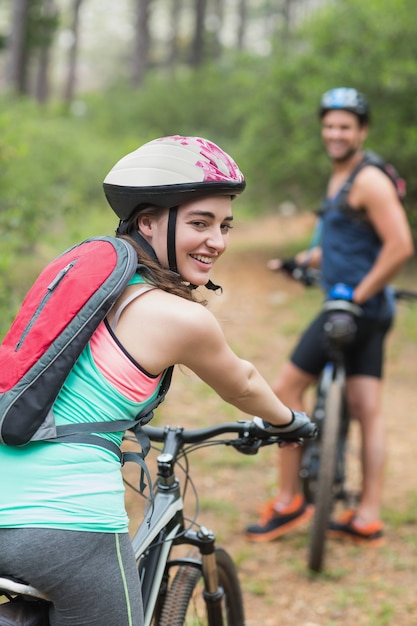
<point x="209" y="102"/>
<point x="262" y="110"/>
<point x="51" y="170"/>
<point x="42" y="25"/>
<point x="370" y="45"/>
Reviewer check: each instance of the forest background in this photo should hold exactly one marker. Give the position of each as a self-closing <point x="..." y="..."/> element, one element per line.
<point x="84" y="82"/>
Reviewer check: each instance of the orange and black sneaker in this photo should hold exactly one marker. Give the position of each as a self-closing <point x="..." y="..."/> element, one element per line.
<point x="276" y="520"/>
<point x="346" y="527"/>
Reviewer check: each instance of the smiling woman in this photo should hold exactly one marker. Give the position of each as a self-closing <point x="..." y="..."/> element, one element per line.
<point x="173" y="197"/>
<point x="201" y="236"/>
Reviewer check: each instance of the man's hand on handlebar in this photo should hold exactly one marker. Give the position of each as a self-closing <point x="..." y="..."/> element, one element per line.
<point x="304" y="274"/>
<point x="283" y="265"/>
<point x="300" y="427"/>
<point x="340" y="291"/>
<point x="275" y="265"/>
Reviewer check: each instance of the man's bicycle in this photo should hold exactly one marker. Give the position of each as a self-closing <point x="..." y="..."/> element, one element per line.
<point x="199" y="588"/>
<point x="325" y="469"/>
<point x="324" y="466"/>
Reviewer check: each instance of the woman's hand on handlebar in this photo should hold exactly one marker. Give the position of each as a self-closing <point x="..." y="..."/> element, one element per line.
<point x="300" y="427"/>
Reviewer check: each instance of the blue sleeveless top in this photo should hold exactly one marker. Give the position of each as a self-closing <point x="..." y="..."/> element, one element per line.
<point x="350" y="246"/>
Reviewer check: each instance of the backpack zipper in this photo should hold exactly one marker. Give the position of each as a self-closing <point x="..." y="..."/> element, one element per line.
<point x="50" y="289"/>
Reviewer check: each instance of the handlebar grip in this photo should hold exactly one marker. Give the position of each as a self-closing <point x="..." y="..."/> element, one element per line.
<point x="300" y="427"/>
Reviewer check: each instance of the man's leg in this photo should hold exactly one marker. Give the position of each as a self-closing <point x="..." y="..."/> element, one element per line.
<point x="288" y="509"/>
<point x="290" y="387"/>
<point x="364" y="398"/>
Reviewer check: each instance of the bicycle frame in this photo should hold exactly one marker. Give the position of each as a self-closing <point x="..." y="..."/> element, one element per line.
<point x="311" y="453"/>
<point x="153" y="541"/>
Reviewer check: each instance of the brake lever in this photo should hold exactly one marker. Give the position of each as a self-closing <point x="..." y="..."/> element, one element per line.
<point x="251" y="446"/>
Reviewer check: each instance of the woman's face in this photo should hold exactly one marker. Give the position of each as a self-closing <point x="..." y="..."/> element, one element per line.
<point x="201" y="234"/>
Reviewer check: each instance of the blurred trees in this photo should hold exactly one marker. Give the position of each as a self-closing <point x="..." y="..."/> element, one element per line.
<point x="141" y="42"/>
<point x="74" y="30"/>
<point x="369" y="45"/>
<point x="180" y="32"/>
<point x="32" y="28"/>
<point x="262" y="108"/>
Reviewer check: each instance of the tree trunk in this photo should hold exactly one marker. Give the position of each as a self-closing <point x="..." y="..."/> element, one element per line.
<point x="197" y="50"/>
<point x="173" y="51"/>
<point x="142" y="42"/>
<point x="17" y="74"/>
<point x="69" y="88"/>
<point x="215" y="28"/>
<point x="42" y="83"/>
<point x="242" y="24"/>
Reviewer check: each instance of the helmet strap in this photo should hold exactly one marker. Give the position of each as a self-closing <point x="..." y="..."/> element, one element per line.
<point x="212" y="287"/>
<point x="171" y="248"/>
<point x="172" y="255"/>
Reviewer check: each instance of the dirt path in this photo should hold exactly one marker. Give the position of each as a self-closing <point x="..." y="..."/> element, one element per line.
<point x="261" y="314"/>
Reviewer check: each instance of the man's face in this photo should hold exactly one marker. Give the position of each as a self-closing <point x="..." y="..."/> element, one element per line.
<point x="342" y="134"/>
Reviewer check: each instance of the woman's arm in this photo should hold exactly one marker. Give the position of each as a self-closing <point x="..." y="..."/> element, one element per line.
<point x="199" y="344"/>
<point x="160" y="329"/>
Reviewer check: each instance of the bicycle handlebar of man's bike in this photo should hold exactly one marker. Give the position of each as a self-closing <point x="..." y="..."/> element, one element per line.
<point x="310" y="277"/>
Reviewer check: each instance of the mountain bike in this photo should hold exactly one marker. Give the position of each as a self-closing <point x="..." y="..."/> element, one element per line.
<point x="201" y="587"/>
<point x="325" y="467"/>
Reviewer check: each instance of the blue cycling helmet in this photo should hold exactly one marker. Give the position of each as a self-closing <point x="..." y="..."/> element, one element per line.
<point x="347" y="99"/>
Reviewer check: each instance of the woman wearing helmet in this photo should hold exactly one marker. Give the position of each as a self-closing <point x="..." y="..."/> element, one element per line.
<point x="67" y="529"/>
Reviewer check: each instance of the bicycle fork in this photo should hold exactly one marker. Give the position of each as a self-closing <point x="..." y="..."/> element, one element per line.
<point x="213" y="593"/>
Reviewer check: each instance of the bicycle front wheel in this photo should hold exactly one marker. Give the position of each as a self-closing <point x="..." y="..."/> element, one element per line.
<point x="184" y="604"/>
<point x="323" y="497"/>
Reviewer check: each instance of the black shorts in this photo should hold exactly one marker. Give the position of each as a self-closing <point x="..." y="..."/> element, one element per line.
<point x="363" y="357"/>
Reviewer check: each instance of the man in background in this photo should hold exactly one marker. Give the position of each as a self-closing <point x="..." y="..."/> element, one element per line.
<point x="364" y="241"/>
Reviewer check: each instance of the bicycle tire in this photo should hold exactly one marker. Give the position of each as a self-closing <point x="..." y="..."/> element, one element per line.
<point x="309" y="472"/>
<point x="326" y="476"/>
<point x="184" y="604"/>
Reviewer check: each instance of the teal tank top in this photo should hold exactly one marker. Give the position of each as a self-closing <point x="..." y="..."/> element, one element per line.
<point x="79" y="486"/>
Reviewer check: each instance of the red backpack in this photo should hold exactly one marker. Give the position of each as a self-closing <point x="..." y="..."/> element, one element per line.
<point x="64" y="306"/>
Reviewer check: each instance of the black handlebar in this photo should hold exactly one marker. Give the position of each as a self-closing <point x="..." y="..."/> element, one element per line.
<point x="310" y="277"/>
<point x="250" y="437"/>
<point x="405" y="294"/>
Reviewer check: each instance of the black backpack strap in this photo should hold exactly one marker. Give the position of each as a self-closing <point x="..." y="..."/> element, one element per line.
<point x="88" y="438"/>
<point x="347" y="186"/>
<point x="86" y="432"/>
<point x="124" y="457"/>
<point x="146" y="414"/>
<point x="370" y="158"/>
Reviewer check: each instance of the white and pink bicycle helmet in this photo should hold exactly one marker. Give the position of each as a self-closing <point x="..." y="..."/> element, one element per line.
<point x="166" y="173"/>
<point x="170" y="171"/>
